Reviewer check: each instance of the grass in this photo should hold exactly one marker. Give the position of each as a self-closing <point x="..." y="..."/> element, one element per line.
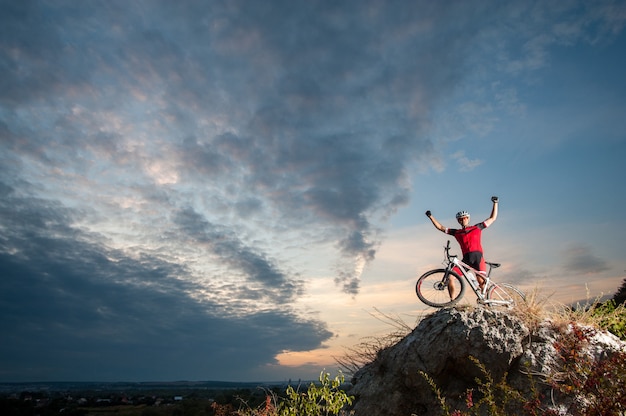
<point x="594" y="313"/>
<point x="366" y="351"/>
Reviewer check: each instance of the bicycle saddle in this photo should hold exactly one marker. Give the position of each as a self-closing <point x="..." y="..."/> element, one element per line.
<point x="494" y="265"/>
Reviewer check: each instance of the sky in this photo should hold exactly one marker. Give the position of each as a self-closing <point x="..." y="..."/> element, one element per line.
<point x="235" y="190"/>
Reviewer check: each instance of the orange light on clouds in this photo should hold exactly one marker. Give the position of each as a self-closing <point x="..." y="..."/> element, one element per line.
<point x="320" y="357"/>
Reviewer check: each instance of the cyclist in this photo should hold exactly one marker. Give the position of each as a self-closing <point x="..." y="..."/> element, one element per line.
<point x="469" y="238"/>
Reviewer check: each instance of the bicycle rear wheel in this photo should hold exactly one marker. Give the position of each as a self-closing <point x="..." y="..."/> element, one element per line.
<point x="432" y="288"/>
<point x="505" y="294"/>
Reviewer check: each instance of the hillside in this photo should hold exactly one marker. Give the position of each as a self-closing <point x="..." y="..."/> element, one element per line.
<point x="544" y="366"/>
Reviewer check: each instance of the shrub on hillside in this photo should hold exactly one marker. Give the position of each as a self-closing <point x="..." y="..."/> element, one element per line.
<point x="611" y="317"/>
<point x="325" y="399"/>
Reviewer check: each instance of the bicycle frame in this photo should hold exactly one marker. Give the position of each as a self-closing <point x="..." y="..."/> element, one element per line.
<point x="452" y="260"/>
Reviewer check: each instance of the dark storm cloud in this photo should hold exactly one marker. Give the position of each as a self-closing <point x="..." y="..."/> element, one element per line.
<point x="74" y="310"/>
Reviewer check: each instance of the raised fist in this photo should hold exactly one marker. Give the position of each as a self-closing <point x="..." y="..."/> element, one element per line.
<point x="428" y="213"/>
<point x="494" y="199"/>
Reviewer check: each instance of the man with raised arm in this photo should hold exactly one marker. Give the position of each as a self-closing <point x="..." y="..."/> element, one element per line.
<point x="469" y="238"/>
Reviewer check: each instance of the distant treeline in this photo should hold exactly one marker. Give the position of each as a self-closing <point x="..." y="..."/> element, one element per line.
<point x="8" y="388"/>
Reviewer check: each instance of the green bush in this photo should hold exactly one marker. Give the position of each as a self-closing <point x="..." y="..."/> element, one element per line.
<point x="324" y="400"/>
<point x="611" y="317"/>
<point x="327" y="399"/>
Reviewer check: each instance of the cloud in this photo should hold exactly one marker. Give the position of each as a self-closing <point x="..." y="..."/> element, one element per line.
<point x="74" y="309"/>
<point x="535" y="31"/>
<point x="464" y="163"/>
<point x="263" y="278"/>
<point x="311" y="131"/>
<point x="579" y="259"/>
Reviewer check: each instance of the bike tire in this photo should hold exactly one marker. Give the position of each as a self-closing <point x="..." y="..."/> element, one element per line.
<point x="431" y="290"/>
<point x="505" y="292"/>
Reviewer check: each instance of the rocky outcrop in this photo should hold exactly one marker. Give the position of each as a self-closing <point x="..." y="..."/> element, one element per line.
<point x="441" y="347"/>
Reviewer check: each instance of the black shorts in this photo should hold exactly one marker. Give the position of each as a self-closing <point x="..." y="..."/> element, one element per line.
<point x="473" y="258"/>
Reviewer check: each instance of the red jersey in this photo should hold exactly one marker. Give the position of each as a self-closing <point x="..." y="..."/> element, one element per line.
<point x="469" y="239"/>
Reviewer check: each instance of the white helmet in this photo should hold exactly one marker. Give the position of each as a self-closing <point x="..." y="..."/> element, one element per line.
<point x="461" y="214"/>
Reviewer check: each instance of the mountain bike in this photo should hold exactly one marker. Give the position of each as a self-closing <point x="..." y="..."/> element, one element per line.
<point x="434" y="289"/>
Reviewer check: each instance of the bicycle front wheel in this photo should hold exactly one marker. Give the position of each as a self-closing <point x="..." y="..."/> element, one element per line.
<point x="505" y="294"/>
<point x="436" y="290"/>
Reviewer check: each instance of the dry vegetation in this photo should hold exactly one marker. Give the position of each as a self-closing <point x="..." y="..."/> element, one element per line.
<point x="368" y="349"/>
